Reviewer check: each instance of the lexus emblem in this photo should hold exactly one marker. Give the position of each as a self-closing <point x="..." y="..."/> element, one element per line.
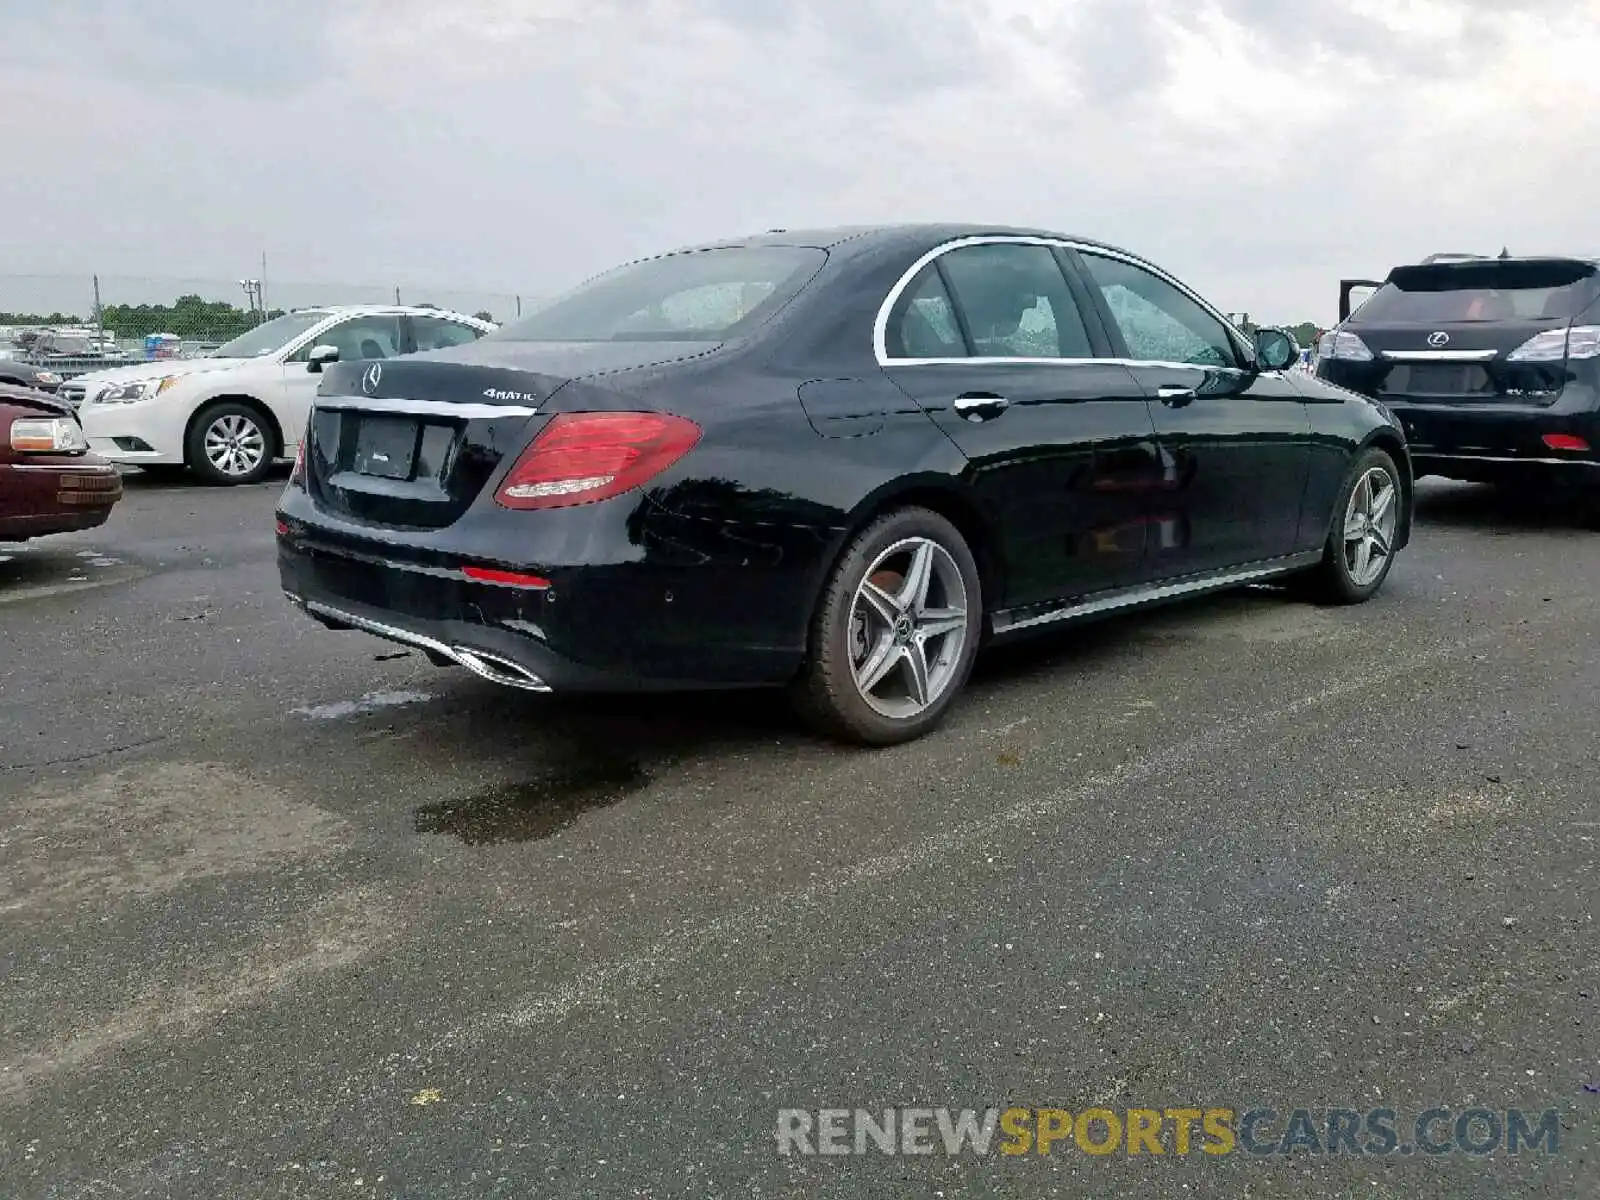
<point x="370" y="378"/>
<point x="1439" y="338"/>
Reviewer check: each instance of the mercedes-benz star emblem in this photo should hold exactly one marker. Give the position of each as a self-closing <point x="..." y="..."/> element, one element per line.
<point x="1439" y="338"/>
<point x="370" y="377"/>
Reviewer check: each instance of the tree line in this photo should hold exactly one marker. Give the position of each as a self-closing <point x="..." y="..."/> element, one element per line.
<point x="188" y="317"/>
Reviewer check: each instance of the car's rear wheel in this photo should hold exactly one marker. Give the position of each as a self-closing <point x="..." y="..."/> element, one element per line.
<point x="1361" y="542"/>
<point x="894" y="636"/>
<point x="230" y="443"/>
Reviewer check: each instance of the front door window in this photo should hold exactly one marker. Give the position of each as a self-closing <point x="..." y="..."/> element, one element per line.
<point x="359" y="338"/>
<point x="1159" y="322"/>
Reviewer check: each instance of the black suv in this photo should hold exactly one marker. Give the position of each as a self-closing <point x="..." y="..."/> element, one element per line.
<point x="1491" y="364"/>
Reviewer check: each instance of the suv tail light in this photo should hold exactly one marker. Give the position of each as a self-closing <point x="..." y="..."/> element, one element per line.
<point x="580" y="458"/>
<point x="1343" y="345"/>
<point x="1557" y="345"/>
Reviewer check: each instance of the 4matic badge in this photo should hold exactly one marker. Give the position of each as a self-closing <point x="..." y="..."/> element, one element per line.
<point x="500" y="394"/>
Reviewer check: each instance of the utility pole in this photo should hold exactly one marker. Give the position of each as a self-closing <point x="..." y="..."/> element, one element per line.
<point x="397" y="295"/>
<point x="99" y="320"/>
<point x="261" y="287"/>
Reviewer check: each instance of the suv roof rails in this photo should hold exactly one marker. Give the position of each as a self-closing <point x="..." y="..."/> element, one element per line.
<point x="1438" y="258"/>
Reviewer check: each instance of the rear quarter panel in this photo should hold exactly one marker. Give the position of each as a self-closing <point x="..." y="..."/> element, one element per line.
<point x="762" y="506"/>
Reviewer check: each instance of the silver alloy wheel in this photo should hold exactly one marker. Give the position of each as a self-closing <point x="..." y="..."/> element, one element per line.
<point x="906" y="638"/>
<point x="1369" y="525"/>
<point x="235" y="445"/>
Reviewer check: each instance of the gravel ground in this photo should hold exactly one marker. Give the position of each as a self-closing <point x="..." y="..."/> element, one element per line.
<point x="290" y="913"/>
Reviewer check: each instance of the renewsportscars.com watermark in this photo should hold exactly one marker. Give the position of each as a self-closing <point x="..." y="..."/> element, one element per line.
<point x="1173" y="1132"/>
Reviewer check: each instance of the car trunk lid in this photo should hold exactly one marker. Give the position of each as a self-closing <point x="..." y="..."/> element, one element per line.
<point x="412" y="442"/>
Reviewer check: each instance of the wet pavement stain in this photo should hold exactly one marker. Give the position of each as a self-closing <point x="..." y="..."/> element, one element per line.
<point x="535" y="809"/>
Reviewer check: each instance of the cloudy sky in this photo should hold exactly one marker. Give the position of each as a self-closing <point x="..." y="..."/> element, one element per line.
<point x="1259" y="148"/>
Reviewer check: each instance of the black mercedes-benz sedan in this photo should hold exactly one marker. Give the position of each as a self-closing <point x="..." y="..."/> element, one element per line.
<point x="834" y="460"/>
<point x="1492" y="365"/>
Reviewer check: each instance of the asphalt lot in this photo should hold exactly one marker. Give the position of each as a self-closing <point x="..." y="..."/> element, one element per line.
<point x="285" y="912"/>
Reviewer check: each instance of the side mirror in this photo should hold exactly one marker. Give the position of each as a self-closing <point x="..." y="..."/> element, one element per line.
<point x="320" y="357"/>
<point x="1276" y="349"/>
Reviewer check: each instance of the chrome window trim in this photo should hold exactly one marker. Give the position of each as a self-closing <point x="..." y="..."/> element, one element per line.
<point x="423" y="408"/>
<point x="880" y="324"/>
<point x="1061" y="362"/>
<point x="1439" y="355"/>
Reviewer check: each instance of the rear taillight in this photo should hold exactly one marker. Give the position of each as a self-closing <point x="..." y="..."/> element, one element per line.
<point x="1557" y="345"/>
<point x="1566" y="441"/>
<point x="505" y="578"/>
<point x="1341" y="344"/>
<point x="579" y="458"/>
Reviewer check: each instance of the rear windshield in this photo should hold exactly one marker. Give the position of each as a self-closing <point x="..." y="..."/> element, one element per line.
<point x="1491" y="291"/>
<point x="692" y="296"/>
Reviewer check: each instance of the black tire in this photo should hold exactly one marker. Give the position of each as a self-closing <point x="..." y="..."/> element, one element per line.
<point x="825" y="694"/>
<point x="223" y="411"/>
<point x="1330" y="581"/>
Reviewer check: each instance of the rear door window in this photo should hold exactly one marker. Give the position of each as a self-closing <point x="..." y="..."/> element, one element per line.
<point x="1014" y="302"/>
<point x="924" y="323"/>
<point x="439" y="333"/>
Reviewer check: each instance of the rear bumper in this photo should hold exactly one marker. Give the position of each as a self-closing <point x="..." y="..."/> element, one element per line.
<point x="442" y="641"/>
<point x="1484" y="441"/>
<point x="1486" y="468"/>
<point x="607" y="627"/>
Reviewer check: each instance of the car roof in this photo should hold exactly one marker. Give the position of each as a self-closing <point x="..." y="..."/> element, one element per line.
<point x="381" y="310"/>
<point x="910" y="236"/>
<point x="1456" y="260"/>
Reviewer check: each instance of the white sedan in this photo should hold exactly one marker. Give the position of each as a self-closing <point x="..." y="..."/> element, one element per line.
<point x="229" y="415"/>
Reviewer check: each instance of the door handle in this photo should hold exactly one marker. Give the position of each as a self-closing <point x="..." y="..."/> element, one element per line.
<point x="976" y="406"/>
<point x="1175" y="395"/>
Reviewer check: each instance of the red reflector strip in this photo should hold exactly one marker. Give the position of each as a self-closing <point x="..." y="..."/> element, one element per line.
<point x="1564" y="441"/>
<point x="508" y="578"/>
<point x="283" y="530"/>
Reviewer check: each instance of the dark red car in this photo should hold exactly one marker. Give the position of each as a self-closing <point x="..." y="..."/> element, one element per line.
<point x="49" y="482"/>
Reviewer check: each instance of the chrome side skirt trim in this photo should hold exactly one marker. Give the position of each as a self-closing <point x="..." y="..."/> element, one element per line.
<point x="480" y="662"/>
<point x="1150" y="594"/>
<point x="425" y="408"/>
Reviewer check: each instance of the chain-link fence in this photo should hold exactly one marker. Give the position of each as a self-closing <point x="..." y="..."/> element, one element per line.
<point x="75" y="324"/>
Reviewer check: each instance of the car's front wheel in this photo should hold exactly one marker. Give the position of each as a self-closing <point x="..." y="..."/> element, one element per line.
<point x="230" y="443"/>
<point x="1361" y="541"/>
<point x="895" y="634"/>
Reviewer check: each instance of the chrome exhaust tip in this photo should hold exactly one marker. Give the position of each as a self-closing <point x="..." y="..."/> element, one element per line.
<point x="498" y="670"/>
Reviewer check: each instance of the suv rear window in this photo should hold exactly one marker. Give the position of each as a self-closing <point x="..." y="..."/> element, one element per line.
<point x="691" y="296"/>
<point x="1483" y="291"/>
